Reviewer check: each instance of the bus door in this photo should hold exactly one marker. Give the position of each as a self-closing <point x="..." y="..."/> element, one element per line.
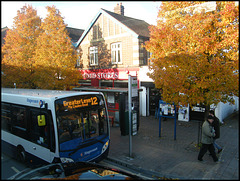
<point x="41" y="135"/>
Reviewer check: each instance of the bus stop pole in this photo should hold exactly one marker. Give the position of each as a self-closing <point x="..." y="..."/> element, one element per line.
<point x="160" y="126"/>
<point x="160" y="119"/>
<point x="175" y="122"/>
<point x="130" y="113"/>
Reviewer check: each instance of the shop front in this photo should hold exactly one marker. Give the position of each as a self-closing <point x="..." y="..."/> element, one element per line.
<point x="115" y="77"/>
<point x="118" y="78"/>
<point x="113" y="83"/>
<point x="117" y="103"/>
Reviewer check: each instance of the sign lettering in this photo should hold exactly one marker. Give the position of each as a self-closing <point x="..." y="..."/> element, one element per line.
<point x="81" y="103"/>
<point x="101" y="75"/>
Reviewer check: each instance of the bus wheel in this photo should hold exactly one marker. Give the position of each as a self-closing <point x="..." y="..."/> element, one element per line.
<point x="21" y="154"/>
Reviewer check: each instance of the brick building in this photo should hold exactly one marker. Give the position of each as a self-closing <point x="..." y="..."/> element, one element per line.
<point x="111" y="49"/>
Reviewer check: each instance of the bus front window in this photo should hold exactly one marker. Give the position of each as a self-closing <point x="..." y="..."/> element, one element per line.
<point x="82" y="124"/>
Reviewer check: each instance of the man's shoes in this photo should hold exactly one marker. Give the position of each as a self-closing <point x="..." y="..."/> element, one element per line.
<point x="219" y="151"/>
<point x="201" y="160"/>
<point x="216" y="161"/>
<point x="219" y="161"/>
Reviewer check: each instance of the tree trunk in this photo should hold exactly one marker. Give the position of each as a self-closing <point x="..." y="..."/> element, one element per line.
<point x="207" y="109"/>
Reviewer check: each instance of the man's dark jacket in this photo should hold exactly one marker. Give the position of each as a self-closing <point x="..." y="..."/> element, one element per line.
<point x="216" y="126"/>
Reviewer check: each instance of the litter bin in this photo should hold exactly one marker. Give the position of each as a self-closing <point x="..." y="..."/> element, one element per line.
<point x="123" y="114"/>
<point x="124" y="123"/>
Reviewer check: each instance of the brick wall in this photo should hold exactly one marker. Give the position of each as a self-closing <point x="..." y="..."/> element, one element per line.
<point x="112" y="32"/>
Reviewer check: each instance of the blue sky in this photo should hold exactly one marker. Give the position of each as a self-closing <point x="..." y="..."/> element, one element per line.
<point x="78" y="14"/>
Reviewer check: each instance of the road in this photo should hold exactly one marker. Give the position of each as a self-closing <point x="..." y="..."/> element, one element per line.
<point x="10" y="166"/>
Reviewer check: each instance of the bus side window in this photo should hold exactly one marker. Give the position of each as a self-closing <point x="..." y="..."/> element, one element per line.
<point x="19" y="121"/>
<point x="6" y="117"/>
<point x="39" y="134"/>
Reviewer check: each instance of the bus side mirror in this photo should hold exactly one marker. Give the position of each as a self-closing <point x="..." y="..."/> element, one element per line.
<point x="41" y="120"/>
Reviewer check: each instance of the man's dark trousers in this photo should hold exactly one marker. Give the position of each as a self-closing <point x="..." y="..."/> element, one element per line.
<point x="204" y="149"/>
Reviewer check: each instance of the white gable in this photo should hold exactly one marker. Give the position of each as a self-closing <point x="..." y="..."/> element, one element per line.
<point x="95" y="19"/>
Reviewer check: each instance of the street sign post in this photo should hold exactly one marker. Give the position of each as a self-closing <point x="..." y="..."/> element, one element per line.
<point x="132" y="92"/>
<point x="130" y="112"/>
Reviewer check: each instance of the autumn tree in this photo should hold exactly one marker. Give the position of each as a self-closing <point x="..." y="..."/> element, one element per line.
<point x="103" y="56"/>
<point x="18" y="50"/>
<point x="55" y="57"/>
<point x="195" y="52"/>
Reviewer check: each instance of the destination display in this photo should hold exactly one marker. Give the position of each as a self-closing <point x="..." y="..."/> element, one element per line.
<point x="81" y="103"/>
<point x="76" y="102"/>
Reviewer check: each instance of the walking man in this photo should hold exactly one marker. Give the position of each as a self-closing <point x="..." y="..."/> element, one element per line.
<point x="207" y="139"/>
<point x="216" y="126"/>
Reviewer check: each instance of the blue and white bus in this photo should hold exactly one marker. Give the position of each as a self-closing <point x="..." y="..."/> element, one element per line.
<point x="47" y="126"/>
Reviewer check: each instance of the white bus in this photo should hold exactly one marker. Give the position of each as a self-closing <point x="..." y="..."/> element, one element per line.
<point x="46" y="126"/>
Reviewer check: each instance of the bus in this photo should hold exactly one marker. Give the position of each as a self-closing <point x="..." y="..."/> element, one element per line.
<point x="51" y="126"/>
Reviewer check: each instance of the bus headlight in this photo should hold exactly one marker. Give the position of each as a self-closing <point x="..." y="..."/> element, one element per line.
<point x="66" y="160"/>
<point x="105" y="146"/>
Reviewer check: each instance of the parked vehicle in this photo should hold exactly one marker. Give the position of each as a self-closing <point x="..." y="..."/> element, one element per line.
<point x="74" y="171"/>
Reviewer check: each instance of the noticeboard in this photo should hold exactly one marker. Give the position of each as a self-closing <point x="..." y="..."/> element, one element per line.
<point x="183" y="113"/>
<point x="197" y="112"/>
<point x="169" y="111"/>
<point x="166" y="109"/>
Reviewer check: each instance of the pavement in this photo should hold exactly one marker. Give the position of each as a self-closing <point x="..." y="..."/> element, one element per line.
<point x="168" y="158"/>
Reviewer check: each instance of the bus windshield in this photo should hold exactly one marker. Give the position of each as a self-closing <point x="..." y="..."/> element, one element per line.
<point x="81" y="118"/>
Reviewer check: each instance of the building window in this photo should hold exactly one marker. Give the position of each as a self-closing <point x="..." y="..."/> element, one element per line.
<point x="143" y="57"/>
<point x="78" y="58"/>
<point x="78" y="62"/>
<point x="93" y="51"/>
<point x="149" y="54"/>
<point x="116" y="53"/>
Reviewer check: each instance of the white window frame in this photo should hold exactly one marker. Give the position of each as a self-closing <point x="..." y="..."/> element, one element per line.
<point x="93" y="55"/>
<point x="116" y="49"/>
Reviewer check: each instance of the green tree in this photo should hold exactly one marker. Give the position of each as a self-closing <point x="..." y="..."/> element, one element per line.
<point x="18" y="50"/>
<point x="195" y="52"/>
<point x="55" y="57"/>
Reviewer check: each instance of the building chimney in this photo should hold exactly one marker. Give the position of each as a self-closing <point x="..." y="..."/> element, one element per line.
<point x="119" y="9"/>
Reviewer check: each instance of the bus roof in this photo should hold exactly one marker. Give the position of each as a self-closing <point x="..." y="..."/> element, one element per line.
<point x="42" y="92"/>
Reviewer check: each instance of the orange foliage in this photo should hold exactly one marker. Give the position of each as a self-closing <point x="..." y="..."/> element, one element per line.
<point x="55" y="54"/>
<point x="19" y="47"/>
<point x="39" y="54"/>
<point x="195" y="53"/>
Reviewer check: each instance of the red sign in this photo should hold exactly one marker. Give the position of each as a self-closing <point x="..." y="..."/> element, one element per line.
<point x="100" y="75"/>
<point x="110" y="74"/>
